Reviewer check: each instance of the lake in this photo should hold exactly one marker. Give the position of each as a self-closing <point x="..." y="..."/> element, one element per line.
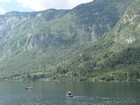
<point x="85" y="93"/>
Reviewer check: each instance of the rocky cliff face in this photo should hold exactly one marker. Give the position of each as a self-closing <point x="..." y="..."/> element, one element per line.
<point x="24" y="30"/>
<point x="126" y="32"/>
<point x="9" y="21"/>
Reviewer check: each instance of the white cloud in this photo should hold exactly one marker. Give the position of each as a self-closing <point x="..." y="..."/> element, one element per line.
<point x="33" y="4"/>
<point x="7" y="1"/>
<point x="73" y="3"/>
<point x="2" y="11"/>
<point x="38" y="5"/>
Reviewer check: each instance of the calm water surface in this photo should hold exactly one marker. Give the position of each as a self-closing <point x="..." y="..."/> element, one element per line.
<point x="85" y="93"/>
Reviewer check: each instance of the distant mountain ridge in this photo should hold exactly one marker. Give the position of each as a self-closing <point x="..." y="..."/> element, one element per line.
<point x="60" y="44"/>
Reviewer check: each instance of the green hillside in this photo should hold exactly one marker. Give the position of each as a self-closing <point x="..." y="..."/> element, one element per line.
<point x="93" y="41"/>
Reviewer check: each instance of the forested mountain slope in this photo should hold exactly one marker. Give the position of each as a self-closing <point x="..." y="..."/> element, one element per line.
<point x="93" y="41"/>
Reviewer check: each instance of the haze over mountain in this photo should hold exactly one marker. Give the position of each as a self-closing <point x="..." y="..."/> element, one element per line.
<point x="93" y="41"/>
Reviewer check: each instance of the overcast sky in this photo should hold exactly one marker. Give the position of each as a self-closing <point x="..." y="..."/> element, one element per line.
<point x="37" y="5"/>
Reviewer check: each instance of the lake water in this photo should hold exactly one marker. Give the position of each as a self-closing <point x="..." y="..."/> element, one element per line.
<point x="85" y="93"/>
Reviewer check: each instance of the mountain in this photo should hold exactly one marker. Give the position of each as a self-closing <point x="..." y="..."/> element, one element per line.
<point x="87" y="42"/>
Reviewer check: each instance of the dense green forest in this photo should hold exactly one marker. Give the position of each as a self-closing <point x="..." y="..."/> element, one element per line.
<point x="96" y="41"/>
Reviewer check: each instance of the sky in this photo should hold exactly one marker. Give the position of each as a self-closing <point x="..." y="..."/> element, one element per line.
<point x="37" y="5"/>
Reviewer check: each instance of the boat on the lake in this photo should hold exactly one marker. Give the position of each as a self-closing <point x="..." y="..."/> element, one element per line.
<point x="27" y="88"/>
<point x="69" y="94"/>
